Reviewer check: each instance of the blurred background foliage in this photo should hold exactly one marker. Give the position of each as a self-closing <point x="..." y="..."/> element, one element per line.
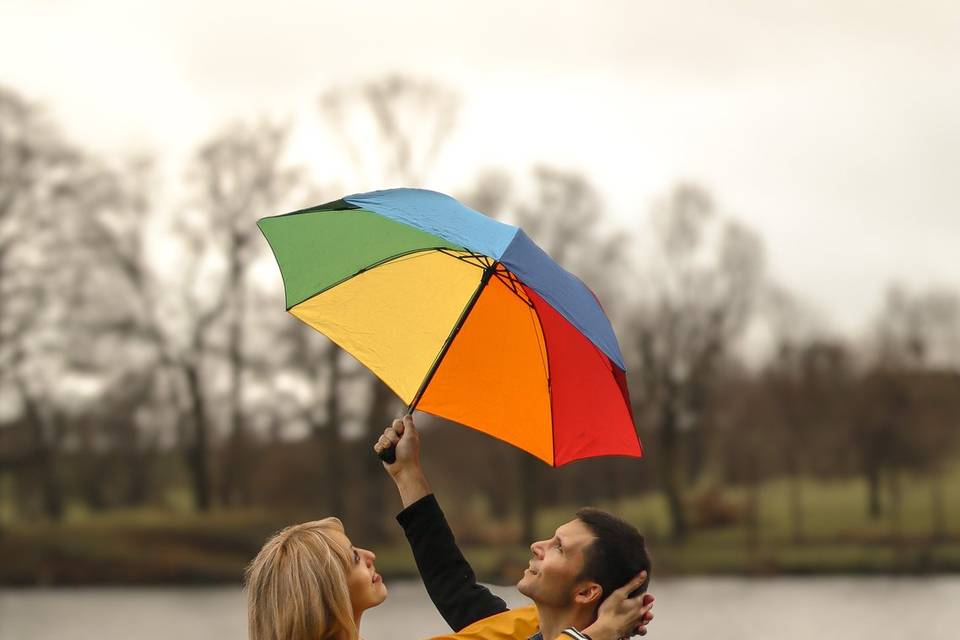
<point x="160" y="415"/>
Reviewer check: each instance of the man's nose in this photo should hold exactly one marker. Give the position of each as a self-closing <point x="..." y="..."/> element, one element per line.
<point x="537" y="549"/>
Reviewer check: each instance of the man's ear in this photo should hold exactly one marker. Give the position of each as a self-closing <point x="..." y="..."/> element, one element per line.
<point x="587" y="593"/>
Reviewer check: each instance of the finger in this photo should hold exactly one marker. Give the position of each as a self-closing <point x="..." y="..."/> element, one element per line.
<point x="397" y="426"/>
<point x="391" y="437"/>
<point x="384" y="442"/>
<point x="635" y="582"/>
<point x="376" y="447"/>
<point x="408" y="423"/>
<point x="648" y="598"/>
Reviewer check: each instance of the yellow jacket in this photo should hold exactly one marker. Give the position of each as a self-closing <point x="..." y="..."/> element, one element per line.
<point x="513" y="624"/>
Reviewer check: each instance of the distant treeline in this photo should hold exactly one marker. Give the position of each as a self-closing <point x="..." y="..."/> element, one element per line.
<point x="145" y="355"/>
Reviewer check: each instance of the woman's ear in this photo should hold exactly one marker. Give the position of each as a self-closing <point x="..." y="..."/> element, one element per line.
<point x="587" y="593"/>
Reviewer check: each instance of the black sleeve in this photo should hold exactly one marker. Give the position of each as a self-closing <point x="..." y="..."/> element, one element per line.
<point x="446" y="574"/>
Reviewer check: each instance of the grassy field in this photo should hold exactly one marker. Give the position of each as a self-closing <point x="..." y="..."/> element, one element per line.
<point x="176" y="546"/>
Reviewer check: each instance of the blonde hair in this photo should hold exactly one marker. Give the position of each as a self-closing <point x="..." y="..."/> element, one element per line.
<point x="297" y="586"/>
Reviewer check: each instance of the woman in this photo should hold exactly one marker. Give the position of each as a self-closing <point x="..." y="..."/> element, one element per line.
<point x="310" y="583"/>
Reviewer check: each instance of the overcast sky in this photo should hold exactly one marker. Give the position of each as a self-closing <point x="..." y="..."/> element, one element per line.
<point x="831" y="127"/>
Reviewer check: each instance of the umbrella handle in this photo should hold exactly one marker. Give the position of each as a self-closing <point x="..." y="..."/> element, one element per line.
<point x="390" y="455"/>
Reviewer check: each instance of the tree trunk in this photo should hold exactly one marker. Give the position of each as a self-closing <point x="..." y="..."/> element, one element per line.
<point x="3" y="495"/>
<point x="198" y="450"/>
<point x="91" y="481"/>
<point x="695" y="450"/>
<point x="236" y="472"/>
<point x="529" y="482"/>
<point x="669" y="468"/>
<point x="46" y="439"/>
<point x="753" y="506"/>
<point x="874" y="507"/>
<point x="140" y="461"/>
<point x="796" y="502"/>
<point x="896" y="505"/>
<point x="330" y="438"/>
<point x="611" y="483"/>
<point x="500" y="501"/>
<point x="52" y="487"/>
<point x="372" y="479"/>
<point x="938" y="513"/>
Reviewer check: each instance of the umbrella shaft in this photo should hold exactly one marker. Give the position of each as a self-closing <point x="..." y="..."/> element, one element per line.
<point x="487" y="274"/>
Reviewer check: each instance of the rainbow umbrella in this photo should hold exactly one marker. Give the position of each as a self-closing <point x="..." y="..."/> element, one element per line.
<point x="461" y="316"/>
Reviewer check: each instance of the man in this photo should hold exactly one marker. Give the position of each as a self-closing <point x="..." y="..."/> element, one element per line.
<point x="593" y="560"/>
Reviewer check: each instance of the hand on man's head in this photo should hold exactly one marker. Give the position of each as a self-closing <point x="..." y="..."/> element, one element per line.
<point x="647" y="604"/>
<point x="621" y="616"/>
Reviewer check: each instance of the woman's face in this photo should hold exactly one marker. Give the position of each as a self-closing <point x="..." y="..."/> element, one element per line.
<point x="364" y="583"/>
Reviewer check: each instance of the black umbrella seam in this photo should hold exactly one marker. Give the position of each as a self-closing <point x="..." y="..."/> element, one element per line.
<point x="438" y="360"/>
<point x="370" y="267"/>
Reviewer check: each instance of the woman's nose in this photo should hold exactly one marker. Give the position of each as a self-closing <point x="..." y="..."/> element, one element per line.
<point x="369" y="555"/>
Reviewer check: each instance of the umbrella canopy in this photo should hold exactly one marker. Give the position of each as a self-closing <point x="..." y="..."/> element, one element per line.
<point x="461" y="316"/>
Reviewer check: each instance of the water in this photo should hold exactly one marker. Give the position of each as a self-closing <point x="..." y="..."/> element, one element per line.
<point x="713" y="608"/>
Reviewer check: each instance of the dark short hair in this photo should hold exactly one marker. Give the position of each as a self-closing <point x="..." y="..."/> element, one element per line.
<point x="617" y="554"/>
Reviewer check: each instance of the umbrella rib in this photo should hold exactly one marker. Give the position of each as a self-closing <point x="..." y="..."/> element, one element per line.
<point x="484" y="279"/>
<point x="469" y="256"/>
<point x="333" y="207"/>
<point x="545" y="358"/>
<point x="511" y="281"/>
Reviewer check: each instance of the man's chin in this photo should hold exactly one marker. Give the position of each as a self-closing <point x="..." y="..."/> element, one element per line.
<point x="523" y="587"/>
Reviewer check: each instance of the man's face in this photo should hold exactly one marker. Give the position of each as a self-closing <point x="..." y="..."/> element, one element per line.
<point x="551" y="578"/>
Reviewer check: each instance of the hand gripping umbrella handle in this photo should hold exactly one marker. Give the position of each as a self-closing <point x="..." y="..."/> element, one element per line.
<point x="390" y="455"/>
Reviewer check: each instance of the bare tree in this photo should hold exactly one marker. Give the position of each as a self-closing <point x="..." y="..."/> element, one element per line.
<point x="57" y="201"/>
<point x="491" y="193"/>
<point x="393" y="128"/>
<point x="37" y="170"/>
<point x="239" y="176"/>
<point x="166" y="316"/>
<point x="695" y="300"/>
<point x="315" y="362"/>
<point x="916" y="348"/>
<point x="808" y="383"/>
<point x="798" y="379"/>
